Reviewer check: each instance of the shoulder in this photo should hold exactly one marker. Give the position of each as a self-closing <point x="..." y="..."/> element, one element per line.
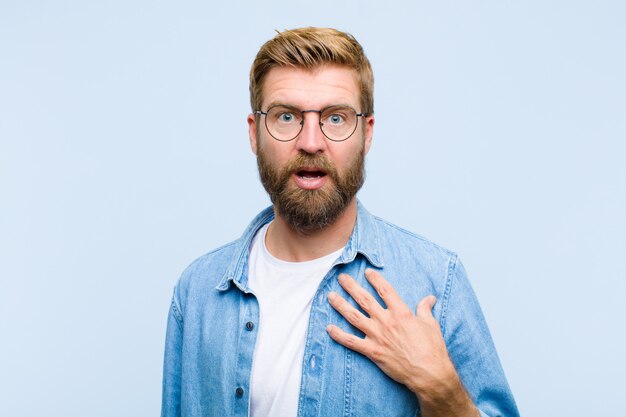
<point x="211" y="270"/>
<point x="212" y="259"/>
<point x="396" y="239"/>
<point x="417" y="263"/>
<point x="418" y="267"/>
<point x="416" y="260"/>
<point x="207" y="271"/>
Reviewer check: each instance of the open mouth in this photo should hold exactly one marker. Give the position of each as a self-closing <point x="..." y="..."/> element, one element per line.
<point x="310" y="178"/>
<point x="310" y="174"/>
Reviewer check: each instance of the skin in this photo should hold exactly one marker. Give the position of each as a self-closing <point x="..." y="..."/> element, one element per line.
<point x="311" y="90"/>
<point x="407" y="347"/>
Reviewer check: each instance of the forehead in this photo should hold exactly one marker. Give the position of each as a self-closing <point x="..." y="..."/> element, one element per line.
<point x="311" y="89"/>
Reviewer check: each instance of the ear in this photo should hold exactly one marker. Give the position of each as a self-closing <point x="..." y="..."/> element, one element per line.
<point x="252" y="132"/>
<point x="369" y="132"/>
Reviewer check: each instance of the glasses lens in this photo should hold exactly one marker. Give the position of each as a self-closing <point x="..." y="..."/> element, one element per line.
<point x="338" y="122"/>
<point x="284" y="123"/>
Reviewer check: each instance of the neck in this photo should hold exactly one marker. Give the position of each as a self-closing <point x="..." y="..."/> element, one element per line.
<point x="288" y="244"/>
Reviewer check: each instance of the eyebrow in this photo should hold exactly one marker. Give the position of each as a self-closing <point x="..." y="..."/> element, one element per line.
<point x="280" y="103"/>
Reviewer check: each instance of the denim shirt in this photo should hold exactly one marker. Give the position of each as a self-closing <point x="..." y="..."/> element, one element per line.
<point x="214" y="319"/>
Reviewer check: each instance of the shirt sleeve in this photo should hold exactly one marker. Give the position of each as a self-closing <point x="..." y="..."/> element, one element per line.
<point x="471" y="347"/>
<point x="170" y="404"/>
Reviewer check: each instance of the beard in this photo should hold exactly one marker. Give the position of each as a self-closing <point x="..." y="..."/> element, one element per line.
<point x="311" y="210"/>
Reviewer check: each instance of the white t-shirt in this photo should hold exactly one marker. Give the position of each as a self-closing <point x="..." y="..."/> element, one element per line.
<point x="285" y="292"/>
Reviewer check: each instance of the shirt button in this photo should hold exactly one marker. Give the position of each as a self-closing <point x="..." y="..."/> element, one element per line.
<point x="249" y="326"/>
<point x="239" y="392"/>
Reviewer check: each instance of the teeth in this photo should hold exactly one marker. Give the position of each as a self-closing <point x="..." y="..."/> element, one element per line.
<point x="309" y="175"/>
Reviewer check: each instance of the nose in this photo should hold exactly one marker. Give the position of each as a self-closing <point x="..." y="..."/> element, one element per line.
<point x="311" y="139"/>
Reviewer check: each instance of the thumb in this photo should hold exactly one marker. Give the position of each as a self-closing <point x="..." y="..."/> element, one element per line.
<point x="425" y="306"/>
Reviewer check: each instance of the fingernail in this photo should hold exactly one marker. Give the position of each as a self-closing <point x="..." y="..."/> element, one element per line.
<point x="332" y="295"/>
<point x="341" y="278"/>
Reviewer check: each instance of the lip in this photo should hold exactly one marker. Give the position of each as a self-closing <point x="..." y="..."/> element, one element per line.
<point x="310" y="183"/>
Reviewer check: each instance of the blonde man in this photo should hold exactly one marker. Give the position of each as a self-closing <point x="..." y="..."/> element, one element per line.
<point x="320" y="308"/>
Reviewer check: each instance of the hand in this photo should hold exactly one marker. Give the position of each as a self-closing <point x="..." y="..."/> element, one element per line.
<point x="408" y="348"/>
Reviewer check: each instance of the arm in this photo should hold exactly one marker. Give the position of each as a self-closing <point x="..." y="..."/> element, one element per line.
<point x="170" y="404"/>
<point x="471" y="347"/>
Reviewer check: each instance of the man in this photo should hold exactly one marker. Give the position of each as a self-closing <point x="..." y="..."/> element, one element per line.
<point x="310" y="312"/>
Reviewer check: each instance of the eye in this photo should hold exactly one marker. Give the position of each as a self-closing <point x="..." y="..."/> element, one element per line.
<point x="337" y="116"/>
<point x="286" y="117"/>
<point x="336" y="119"/>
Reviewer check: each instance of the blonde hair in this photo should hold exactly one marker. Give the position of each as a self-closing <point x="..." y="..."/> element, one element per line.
<point x="310" y="48"/>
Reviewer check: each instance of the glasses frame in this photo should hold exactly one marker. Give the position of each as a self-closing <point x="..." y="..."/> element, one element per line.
<point x="319" y="112"/>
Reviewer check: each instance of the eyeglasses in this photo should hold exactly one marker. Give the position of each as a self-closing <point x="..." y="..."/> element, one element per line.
<point x="285" y="123"/>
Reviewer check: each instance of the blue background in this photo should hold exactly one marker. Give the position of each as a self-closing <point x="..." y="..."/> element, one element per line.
<point x="124" y="155"/>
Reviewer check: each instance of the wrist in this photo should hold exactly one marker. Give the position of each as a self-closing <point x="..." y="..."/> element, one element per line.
<point x="438" y="388"/>
<point x="444" y="395"/>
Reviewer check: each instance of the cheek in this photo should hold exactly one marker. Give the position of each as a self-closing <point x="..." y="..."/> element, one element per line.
<point x="275" y="153"/>
<point x="347" y="157"/>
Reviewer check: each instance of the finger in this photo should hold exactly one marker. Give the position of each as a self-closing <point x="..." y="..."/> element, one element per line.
<point x="425" y="307"/>
<point x="351" y="314"/>
<point x="385" y="290"/>
<point x="346" y="339"/>
<point x="362" y="297"/>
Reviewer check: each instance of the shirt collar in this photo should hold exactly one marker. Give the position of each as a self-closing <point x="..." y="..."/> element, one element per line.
<point x="365" y="239"/>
